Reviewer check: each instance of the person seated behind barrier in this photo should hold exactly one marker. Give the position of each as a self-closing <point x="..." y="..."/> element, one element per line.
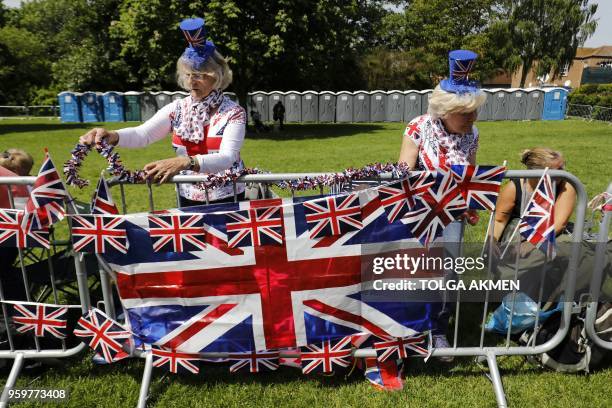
<point x="207" y="127"/>
<point x="14" y="163"/>
<point x="446" y="135"/>
<point x="259" y="125"/>
<point x="279" y="113"/>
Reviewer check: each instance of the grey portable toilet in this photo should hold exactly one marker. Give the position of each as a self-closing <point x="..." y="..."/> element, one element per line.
<point x="344" y="107"/>
<point x="148" y="106"/>
<point x="162" y="98"/>
<point x="327" y="106"/>
<point x="555" y="102"/>
<point x="179" y="95"/>
<point x="273" y="98"/>
<point x="499" y="108"/>
<point x="293" y="107"/>
<point x="361" y="106"/>
<point x="113" y="106"/>
<point x="70" y="108"/>
<point x="484" y="111"/>
<point x="378" y="106"/>
<point x="232" y="96"/>
<point x="516" y="103"/>
<point x="394" y="109"/>
<point x="258" y="101"/>
<point x="425" y="93"/>
<point x="534" y="104"/>
<point x="310" y="106"/>
<point x="412" y="105"/>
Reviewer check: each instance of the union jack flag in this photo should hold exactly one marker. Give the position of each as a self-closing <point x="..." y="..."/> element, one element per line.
<point x="254" y="227"/>
<point x="443" y="203"/>
<point x="99" y="233"/>
<point x="399" y="347"/>
<point x="195" y="37"/>
<point x="479" y="185"/>
<point x="324" y="356"/>
<point x="384" y="375"/>
<point x="538" y="224"/>
<point x="177" y="233"/>
<point x="256" y="361"/>
<point x="462" y="69"/>
<point x="47" y="196"/>
<point x="103" y="335"/>
<point x="102" y="202"/>
<point x="335" y="215"/>
<point x="40" y="319"/>
<point x="14" y="234"/>
<point x="401" y="197"/>
<point x="174" y="361"/>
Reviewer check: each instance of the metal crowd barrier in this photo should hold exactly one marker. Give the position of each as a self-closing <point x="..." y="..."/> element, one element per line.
<point x="18" y="355"/>
<point x="589" y="112"/>
<point x="478" y="350"/>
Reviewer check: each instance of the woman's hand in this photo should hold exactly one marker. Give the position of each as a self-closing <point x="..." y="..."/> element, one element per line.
<point x="162" y="170"/>
<point x="96" y="135"/>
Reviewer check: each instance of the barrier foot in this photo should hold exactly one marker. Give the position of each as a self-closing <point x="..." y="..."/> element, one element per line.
<point x="12" y="378"/>
<point x="495" y="378"/>
<point x="146" y="381"/>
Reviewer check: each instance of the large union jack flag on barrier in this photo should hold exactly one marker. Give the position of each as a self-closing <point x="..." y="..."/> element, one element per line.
<point x="174" y="361"/>
<point x="40" y="319"/>
<point x="333" y="215"/>
<point x="47" y="196"/>
<point x="99" y="233"/>
<point x="102" y="202"/>
<point x="254" y="361"/>
<point x="254" y="227"/>
<point x="323" y="357"/>
<point x="224" y="299"/>
<point x="537" y="223"/>
<point x="177" y="233"/>
<point x="400" y="347"/>
<point x="479" y="185"/>
<point x="13" y="232"/>
<point x="103" y="335"/>
<point x="402" y="197"/>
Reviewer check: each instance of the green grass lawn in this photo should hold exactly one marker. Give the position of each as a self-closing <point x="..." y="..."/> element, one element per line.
<point x="301" y="148"/>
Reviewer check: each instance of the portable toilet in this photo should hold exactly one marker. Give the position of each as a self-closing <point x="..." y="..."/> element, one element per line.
<point x="361" y="106"/>
<point x="273" y="98"/>
<point x="499" y="108"/>
<point x="535" y="104"/>
<point x="148" y="106"/>
<point x="293" y="107"/>
<point x="258" y="101"/>
<point x="232" y="96"/>
<point x="378" y="106"/>
<point x="180" y="95"/>
<point x="327" y="106"/>
<point x="132" y="106"/>
<point x="344" y="107"/>
<point x="113" y="106"/>
<point x="91" y="107"/>
<point x="162" y="98"/>
<point x="412" y="105"/>
<point x="394" y="108"/>
<point x="555" y="100"/>
<point x="70" y="107"/>
<point x="484" y="111"/>
<point x="310" y="106"/>
<point x="425" y="93"/>
<point x="517" y="104"/>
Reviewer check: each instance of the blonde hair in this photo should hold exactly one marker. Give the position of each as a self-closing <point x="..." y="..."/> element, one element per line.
<point x="540" y="157"/>
<point x="216" y="66"/>
<point x="19" y="162"/>
<point x="441" y="103"/>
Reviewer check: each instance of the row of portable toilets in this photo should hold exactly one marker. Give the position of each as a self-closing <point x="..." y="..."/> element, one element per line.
<point x="311" y="106"/>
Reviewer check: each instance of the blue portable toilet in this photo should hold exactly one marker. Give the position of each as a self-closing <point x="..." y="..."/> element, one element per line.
<point x="555" y="101"/>
<point x="113" y="106"/>
<point x="327" y="106"/>
<point x="70" y="106"/>
<point x="344" y="107"/>
<point x="92" y="107"/>
<point x="394" y="111"/>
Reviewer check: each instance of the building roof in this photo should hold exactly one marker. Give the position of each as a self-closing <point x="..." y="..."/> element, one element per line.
<point x="601" y="52"/>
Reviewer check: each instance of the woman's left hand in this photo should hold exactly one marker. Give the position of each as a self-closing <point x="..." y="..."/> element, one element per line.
<point x="162" y="170"/>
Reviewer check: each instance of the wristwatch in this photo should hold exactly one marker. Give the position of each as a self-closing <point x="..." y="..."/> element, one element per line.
<point x="192" y="163"/>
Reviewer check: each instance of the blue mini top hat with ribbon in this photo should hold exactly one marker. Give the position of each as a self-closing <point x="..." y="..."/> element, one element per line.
<point x="461" y="63"/>
<point x="199" y="49"/>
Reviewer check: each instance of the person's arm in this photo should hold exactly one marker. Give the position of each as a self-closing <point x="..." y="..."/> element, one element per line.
<point x="149" y="132"/>
<point x="503" y="209"/>
<point x="229" y="150"/>
<point x="564" y="205"/>
<point x="409" y="152"/>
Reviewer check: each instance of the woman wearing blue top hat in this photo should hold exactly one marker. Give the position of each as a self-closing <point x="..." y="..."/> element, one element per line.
<point x="207" y="127"/>
<point x="446" y="135"/>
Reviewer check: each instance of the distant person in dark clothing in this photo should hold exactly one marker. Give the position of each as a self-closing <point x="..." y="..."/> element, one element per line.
<point x="279" y="113"/>
<point x="259" y="126"/>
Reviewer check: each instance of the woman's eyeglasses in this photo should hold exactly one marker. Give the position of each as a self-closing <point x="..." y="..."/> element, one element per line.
<point x="195" y="75"/>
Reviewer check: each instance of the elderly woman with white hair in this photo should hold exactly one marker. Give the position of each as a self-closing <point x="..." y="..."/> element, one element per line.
<point x="207" y="127"/>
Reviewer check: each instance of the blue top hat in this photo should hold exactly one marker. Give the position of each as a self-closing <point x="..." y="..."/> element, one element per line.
<point x="199" y="49"/>
<point x="460" y="63"/>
